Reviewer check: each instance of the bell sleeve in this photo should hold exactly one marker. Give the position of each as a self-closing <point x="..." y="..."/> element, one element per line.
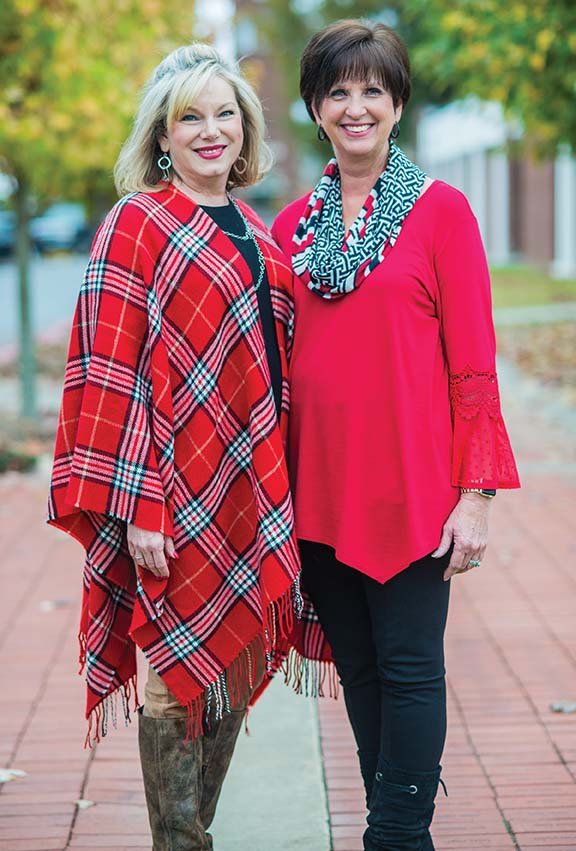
<point x="481" y="453"/>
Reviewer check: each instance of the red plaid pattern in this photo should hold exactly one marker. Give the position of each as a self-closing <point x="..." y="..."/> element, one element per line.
<point x="168" y="422"/>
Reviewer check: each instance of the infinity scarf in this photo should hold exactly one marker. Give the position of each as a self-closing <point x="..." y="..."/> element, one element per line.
<point x="333" y="263"/>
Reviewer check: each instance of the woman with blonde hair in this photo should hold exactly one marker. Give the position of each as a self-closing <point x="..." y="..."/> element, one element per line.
<point x="169" y="463"/>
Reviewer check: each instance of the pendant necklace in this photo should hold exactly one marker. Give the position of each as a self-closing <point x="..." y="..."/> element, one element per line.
<point x="248" y="236"/>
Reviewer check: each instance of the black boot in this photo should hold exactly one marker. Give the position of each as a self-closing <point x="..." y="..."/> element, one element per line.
<point x="401" y="810"/>
<point x="368" y="765"/>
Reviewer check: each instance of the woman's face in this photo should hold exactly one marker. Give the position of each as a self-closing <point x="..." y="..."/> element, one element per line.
<point x="358" y="118"/>
<point x="205" y="143"/>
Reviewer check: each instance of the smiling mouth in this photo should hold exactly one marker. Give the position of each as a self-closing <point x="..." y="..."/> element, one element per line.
<point x="210" y="152"/>
<point x="357" y="128"/>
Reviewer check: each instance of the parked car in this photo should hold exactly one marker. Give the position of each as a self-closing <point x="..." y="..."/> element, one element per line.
<point x="62" y="227"/>
<point x="7" y="232"/>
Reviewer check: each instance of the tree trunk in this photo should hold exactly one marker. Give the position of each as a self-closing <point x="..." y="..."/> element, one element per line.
<point x="27" y="360"/>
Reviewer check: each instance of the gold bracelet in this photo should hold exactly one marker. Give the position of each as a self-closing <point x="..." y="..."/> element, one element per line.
<point x="486" y="493"/>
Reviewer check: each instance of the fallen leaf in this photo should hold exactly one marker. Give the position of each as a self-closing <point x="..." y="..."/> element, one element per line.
<point x="8" y="774"/>
<point x="50" y="605"/>
<point x="565" y="706"/>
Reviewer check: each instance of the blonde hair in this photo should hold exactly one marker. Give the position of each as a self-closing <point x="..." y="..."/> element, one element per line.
<point x="170" y="91"/>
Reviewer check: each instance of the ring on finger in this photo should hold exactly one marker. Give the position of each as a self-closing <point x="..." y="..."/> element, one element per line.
<point x="139" y="559"/>
<point x="474" y="562"/>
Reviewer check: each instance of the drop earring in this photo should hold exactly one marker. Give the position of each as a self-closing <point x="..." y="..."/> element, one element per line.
<point x="164" y="163"/>
<point x="241" y="165"/>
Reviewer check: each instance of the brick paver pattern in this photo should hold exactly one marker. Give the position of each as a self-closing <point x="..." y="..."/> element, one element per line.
<point x="510" y="762"/>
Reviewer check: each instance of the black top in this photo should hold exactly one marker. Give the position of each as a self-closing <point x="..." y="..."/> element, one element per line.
<point x="228" y="219"/>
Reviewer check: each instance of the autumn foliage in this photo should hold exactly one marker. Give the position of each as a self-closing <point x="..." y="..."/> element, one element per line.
<point x="521" y="53"/>
<point x="70" y="71"/>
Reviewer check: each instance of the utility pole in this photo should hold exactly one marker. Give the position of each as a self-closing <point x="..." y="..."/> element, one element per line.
<point x="26" y="355"/>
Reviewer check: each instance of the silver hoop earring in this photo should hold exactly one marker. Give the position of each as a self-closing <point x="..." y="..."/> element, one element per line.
<point x="240" y="170"/>
<point x="164" y="163"/>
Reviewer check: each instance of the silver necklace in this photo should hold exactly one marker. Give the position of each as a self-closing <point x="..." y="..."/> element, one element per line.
<point x="248" y="236"/>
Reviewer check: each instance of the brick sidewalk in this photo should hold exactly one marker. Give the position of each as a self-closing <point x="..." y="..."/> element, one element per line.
<point x="41" y="721"/>
<point x="510" y="762"/>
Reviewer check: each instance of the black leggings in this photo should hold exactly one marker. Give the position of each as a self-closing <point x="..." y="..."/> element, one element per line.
<point x="388" y="646"/>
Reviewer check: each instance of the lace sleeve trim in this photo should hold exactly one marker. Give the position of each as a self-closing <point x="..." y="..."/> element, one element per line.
<point x="472" y="391"/>
<point x="481" y="452"/>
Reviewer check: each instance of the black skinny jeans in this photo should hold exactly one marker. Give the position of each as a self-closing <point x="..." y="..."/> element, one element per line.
<point x="388" y="646"/>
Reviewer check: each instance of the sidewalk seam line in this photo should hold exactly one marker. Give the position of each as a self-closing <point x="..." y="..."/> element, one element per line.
<point x="519" y="684"/>
<point x="35" y="702"/>
<point x="324" y="773"/>
<point x="538" y="616"/>
<point x="26" y="595"/>
<point x="85" y="780"/>
<point x="480" y="762"/>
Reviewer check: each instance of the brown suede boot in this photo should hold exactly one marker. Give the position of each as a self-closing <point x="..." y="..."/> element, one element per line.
<point x="219" y="741"/>
<point x="172" y="773"/>
<point x="217" y="751"/>
<point x="183" y="782"/>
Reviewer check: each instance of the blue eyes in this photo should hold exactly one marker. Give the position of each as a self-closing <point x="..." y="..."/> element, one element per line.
<point x="189" y="116"/>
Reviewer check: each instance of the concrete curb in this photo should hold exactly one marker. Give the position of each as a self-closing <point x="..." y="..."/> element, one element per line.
<point x="274" y="796"/>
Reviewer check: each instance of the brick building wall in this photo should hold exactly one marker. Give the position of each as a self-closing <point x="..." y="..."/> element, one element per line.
<point x="532" y="211"/>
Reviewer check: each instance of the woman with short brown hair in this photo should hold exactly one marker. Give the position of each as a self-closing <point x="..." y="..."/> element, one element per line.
<point x="397" y="442"/>
<point x="352" y="49"/>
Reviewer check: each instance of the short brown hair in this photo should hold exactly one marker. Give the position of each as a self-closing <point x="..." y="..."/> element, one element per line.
<point x="354" y="50"/>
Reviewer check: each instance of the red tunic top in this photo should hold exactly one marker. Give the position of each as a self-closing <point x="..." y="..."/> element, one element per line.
<point x="394" y="392"/>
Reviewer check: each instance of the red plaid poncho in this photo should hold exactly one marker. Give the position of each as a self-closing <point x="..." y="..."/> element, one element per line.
<point x="168" y="421"/>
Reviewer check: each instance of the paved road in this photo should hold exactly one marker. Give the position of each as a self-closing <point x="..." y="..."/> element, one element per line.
<point x="55" y="282"/>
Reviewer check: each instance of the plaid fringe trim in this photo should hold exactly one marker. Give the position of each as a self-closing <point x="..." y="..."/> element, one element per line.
<point x="106" y="712"/>
<point x="310" y="676"/>
<point x="220" y="695"/>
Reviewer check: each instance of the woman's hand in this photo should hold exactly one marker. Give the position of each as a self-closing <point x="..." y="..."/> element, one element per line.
<point x="150" y="550"/>
<point x="467" y="527"/>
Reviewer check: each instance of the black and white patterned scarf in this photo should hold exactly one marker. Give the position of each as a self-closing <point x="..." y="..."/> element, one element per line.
<point x="333" y="263"/>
